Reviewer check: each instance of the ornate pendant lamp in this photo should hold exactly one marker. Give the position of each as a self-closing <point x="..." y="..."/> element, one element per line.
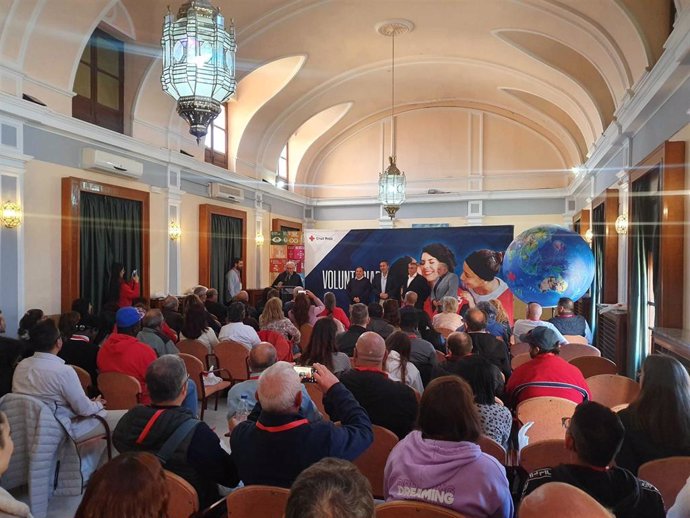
<point x="198" y="63"/>
<point x="392" y="179"/>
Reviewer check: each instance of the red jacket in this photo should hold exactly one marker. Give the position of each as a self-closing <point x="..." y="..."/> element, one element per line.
<point x="126" y="354"/>
<point x="128" y="291"/>
<point x="338" y="314"/>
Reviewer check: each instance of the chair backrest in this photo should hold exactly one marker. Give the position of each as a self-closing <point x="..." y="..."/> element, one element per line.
<point x="317" y="397"/>
<point x="668" y="475"/>
<point x="233" y="356"/>
<point x="195" y="348"/>
<point x="520" y="359"/>
<point x="576" y="339"/>
<point x="414" y="509"/>
<point x="491" y="447"/>
<point x="611" y="390"/>
<point x="545" y="454"/>
<point x="570" y="351"/>
<point x="519" y="348"/>
<point x="546" y="413"/>
<point x="84" y="378"/>
<point x="372" y="462"/>
<point x="255" y="501"/>
<point x="305" y="331"/>
<point x="593" y="365"/>
<point x="120" y="391"/>
<point x="183" y="498"/>
<point x="194" y="370"/>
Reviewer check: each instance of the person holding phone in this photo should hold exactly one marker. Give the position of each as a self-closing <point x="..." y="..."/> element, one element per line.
<point x="120" y="290"/>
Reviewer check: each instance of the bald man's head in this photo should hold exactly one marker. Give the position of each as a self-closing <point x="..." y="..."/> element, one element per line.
<point x="242" y="296"/>
<point x="562" y="500"/>
<point x="370" y="350"/>
<point x="534" y="311"/>
<point x="262" y="356"/>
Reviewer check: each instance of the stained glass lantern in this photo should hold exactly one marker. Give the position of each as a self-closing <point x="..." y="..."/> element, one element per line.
<point x="392" y="188"/>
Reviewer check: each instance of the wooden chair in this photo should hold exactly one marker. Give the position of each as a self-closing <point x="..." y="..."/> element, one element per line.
<point x="233" y="357"/>
<point x="570" y="351"/>
<point x="184" y="502"/>
<point x="576" y="339"/>
<point x="519" y="348"/>
<point x="255" y="501"/>
<point x="121" y="391"/>
<point x="491" y="447"/>
<point x="305" y="331"/>
<point x="668" y="475"/>
<point x="612" y="390"/>
<point x="84" y="378"/>
<point x="520" y="359"/>
<point x="545" y="454"/>
<point x="196" y="372"/>
<point x="414" y="509"/>
<point x="196" y="349"/>
<point x="593" y="365"/>
<point x="372" y="462"/>
<point x="317" y="397"/>
<point x="546" y="413"/>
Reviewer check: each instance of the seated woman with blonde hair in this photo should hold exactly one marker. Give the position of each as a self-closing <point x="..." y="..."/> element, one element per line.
<point x="448" y="318"/>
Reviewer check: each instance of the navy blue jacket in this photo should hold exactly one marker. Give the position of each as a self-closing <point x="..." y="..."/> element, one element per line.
<point x="276" y="456"/>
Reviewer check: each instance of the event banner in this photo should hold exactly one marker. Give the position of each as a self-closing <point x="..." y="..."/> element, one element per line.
<point x="331" y="256"/>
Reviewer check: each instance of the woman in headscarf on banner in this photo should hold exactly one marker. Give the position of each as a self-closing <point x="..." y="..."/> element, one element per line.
<point x="479" y="278"/>
<point x="437" y="266"/>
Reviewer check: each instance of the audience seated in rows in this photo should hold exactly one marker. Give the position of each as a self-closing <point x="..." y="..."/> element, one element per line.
<point x="173" y="317"/>
<point x="657" y="423"/>
<point x="187" y="446"/>
<point x="568" y="323"/>
<point x="330" y="488"/>
<point x="595" y="434"/>
<point x="398" y="364"/>
<point x="132" y="484"/>
<point x="197" y="323"/>
<point x="359" y="319"/>
<point x="274" y="319"/>
<point x="485" y="344"/>
<point x="460" y="360"/>
<point x="531" y="321"/>
<point x="306" y="308"/>
<point x="236" y="330"/>
<point x="389" y="403"/>
<point x="546" y="374"/>
<point x="261" y="357"/>
<point x="293" y="443"/>
<point x="152" y="334"/>
<point x="441" y="462"/>
<point x="9" y="507"/>
<point x="376" y="322"/>
<point x="322" y="348"/>
<point x="422" y="352"/>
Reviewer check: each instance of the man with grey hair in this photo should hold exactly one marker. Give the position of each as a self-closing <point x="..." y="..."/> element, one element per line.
<point x="152" y="335"/>
<point x="289" y="278"/>
<point x="200" y="291"/>
<point x="276" y="443"/>
<point x="359" y="319"/>
<point x="214" y="307"/>
<point x="531" y="321"/>
<point x="185" y="445"/>
<point x="261" y="357"/>
<point x="173" y="317"/>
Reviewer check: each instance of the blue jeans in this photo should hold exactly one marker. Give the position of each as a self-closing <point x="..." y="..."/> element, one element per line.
<point x="191" y="401"/>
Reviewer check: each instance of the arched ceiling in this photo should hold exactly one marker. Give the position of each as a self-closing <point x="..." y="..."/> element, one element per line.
<point x="559" y="67"/>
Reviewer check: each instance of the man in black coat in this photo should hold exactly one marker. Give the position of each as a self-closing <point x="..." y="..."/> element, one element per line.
<point x="383" y="285"/>
<point x="485" y="344"/>
<point x="416" y="283"/>
<point x="359" y="319"/>
<point x="288" y="278"/>
<point x="358" y="288"/>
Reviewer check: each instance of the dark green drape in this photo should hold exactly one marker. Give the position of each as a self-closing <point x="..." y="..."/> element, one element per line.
<point x="226" y="244"/>
<point x="110" y="231"/>
<point x="644" y="245"/>
<point x="598" y="235"/>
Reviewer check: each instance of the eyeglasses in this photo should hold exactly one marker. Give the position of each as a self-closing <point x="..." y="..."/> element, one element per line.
<point x="565" y="421"/>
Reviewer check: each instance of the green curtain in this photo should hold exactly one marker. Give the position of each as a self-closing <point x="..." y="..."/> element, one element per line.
<point x="644" y="246"/>
<point x="226" y="244"/>
<point x="110" y="231"/>
<point x="598" y="235"/>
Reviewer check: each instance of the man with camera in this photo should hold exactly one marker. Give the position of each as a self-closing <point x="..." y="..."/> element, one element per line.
<point x="276" y="443"/>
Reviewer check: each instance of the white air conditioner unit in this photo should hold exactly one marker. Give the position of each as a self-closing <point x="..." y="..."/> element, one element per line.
<point x="105" y="162"/>
<point x="225" y="192"/>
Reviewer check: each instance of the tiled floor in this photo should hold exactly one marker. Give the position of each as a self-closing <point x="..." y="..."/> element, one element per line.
<point x="66" y="506"/>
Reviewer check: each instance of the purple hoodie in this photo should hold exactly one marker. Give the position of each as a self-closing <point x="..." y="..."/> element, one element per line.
<point x="450" y="474"/>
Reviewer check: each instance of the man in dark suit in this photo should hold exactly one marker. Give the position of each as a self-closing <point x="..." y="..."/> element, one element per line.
<point x="288" y="278"/>
<point x="486" y="345"/>
<point x="416" y="283"/>
<point x="446" y="286"/>
<point x="383" y="285"/>
<point x="359" y="318"/>
<point x="214" y="307"/>
<point x="359" y="288"/>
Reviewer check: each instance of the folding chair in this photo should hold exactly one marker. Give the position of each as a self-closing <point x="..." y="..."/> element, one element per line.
<point x="373" y="460"/>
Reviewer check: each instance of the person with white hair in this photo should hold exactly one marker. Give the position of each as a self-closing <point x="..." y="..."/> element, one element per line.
<point x="289" y="277"/>
<point x="276" y="443"/>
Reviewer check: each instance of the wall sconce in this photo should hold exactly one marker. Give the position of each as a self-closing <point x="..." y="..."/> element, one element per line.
<point x="589" y="235"/>
<point x="11" y="215"/>
<point x="174" y="230"/>
<point x="622" y="224"/>
<point x="259" y="239"/>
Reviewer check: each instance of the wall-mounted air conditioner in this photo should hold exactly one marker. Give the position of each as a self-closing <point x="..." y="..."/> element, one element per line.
<point x="105" y="162"/>
<point x="225" y="192"/>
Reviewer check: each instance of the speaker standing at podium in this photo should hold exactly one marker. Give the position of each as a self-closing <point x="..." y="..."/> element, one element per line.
<point x="288" y="278"/>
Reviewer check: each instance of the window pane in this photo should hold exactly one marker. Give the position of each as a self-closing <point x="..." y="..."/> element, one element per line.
<point x="108" y="90"/>
<point x="282" y="168"/>
<point x="219" y="121"/>
<point x="86" y="56"/>
<point x="108" y="57"/>
<point x="82" y="83"/>
<point x="208" y="139"/>
<point x="219" y="141"/>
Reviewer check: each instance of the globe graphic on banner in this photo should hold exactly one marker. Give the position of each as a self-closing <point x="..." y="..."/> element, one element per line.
<point x="546" y="263"/>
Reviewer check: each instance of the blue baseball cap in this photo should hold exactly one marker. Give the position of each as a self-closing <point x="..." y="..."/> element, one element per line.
<point x="128" y="316"/>
<point x="543" y="337"/>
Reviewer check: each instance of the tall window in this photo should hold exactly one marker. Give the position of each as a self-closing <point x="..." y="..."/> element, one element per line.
<point x="99" y="83"/>
<point x="283" y="180"/>
<point x="217" y="140"/>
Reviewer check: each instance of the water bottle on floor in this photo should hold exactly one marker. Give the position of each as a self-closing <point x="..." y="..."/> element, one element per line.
<point x="243" y="409"/>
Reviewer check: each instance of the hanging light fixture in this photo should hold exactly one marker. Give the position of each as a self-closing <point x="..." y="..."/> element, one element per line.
<point x="198" y="63"/>
<point x="392" y="179"/>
